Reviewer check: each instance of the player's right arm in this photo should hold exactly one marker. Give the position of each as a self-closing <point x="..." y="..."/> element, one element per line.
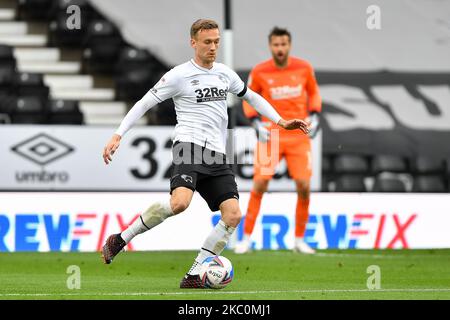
<point x="166" y="88"/>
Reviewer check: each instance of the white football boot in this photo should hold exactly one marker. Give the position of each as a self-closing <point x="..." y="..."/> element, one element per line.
<point x="243" y="246"/>
<point x="302" y="247"/>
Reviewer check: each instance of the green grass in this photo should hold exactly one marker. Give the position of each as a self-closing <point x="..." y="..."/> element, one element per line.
<point x="332" y="274"/>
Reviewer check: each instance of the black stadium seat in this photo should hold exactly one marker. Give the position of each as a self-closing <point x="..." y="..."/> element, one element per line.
<point x="388" y="163"/>
<point x="103" y="43"/>
<point x="347" y="163"/>
<point x="427" y="165"/>
<point x="7" y="74"/>
<point x="64" y="112"/>
<point x="31" y="84"/>
<point x="7" y="69"/>
<point x="326" y="164"/>
<point x="35" y="9"/>
<point x="390" y="184"/>
<point x="350" y="183"/>
<point x="61" y="35"/>
<point x="133" y="85"/>
<point x="429" y="183"/>
<point x="131" y="59"/>
<point x="29" y="110"/>
<point x="165" y="113"/>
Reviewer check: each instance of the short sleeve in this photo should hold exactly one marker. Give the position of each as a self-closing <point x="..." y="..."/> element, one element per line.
<point x="167" y="87"/>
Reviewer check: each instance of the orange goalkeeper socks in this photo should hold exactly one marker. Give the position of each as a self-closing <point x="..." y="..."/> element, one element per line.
<point x="254" y="205"/>
<point x="301" y="216"/>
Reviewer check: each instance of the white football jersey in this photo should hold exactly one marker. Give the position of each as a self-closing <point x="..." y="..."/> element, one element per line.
<point x="200" y="98"/>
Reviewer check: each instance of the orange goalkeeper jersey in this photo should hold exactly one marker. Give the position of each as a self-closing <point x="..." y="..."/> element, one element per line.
<point x="292" y="90"/>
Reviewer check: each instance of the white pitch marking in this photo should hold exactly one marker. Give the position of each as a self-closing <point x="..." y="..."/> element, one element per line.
<point x="223" y="292"/>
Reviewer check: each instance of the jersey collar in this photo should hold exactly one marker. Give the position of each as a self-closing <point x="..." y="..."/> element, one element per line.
<point x="202" y="68"/>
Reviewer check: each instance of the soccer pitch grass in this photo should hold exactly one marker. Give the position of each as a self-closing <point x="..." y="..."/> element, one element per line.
<point x="330" y="274"/>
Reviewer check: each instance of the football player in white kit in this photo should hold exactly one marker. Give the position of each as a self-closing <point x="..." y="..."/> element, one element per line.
<point x="199" y="90"/>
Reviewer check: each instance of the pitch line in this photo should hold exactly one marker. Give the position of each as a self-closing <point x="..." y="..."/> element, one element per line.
<point x="214" y="292"/>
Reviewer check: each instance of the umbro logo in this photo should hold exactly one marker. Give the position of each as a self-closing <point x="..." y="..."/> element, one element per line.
<point x="195" y="82"/>
<point x="42" y="149"/>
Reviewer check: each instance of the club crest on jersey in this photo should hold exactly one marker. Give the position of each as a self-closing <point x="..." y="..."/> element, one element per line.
<point x="211" y="94"/>
<point x="221" y="78"/>
<point x="187" y="178"/>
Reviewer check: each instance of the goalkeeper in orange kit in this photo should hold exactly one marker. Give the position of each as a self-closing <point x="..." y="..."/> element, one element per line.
<point x="288" y="83"/>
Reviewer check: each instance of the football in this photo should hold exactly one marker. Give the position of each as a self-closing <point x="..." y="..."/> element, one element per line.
<point x="216" y="272"/>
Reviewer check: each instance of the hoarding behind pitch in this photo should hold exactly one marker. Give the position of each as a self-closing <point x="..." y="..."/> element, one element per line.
<point x="82" y="221"/>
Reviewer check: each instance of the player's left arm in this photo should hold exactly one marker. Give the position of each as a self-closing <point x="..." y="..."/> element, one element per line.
<point x="263" y="107"/>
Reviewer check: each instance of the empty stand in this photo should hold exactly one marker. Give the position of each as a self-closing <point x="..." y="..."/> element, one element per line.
<point x="429" y="183"/>
<point x="30" y="110"/>
<point x="350" y="183"/>
<point x="349" y="163"/>
<point x="388" y="184"/>
<point x="64" y="112"/>
<point x="427" y="165"/>
<point x="388" y="163"/>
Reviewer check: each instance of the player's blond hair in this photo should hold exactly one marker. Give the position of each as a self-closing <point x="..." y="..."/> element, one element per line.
<point x="203" y="24"/>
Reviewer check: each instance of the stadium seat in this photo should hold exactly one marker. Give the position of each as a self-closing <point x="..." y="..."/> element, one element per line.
<point x="60" y="35"/>
<point x="29" y="110"/>
<point x="131" y="59"/>
<point x="7" y="55"/>
<point x="133" y="85"/>
<point x="388" y="184"/>
<point x="388" y="163"/>
<point x="103" y="43"/>
<point x="427" y="165"/>
<point x="350" y="183"/>
<point x="429" y="183"/>
<point x="7" y="69"/>
<point x="35" y="9"/>
<point x="347" y="163"/>
<point x="326" y="182"/>
<point x="7" y="74"/>
<point x="30" y="84"/>
<point x="165" y="113"/>
<point x="64" y="112"/>
<point x="326" y="164"/>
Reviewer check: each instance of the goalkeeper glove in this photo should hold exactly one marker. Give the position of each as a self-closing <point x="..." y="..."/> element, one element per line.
<point x="314" y="123"/>
<point x="262" y="133"/>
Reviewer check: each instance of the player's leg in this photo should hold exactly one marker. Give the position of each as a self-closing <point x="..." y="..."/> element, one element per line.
<point x="299" y="163"/>
<point x="158" y="212"/>
<point x="150" y="218"/>
<point x="220" y="192"/>
<point x="254" y="204"/>
<point x="182" y="186"/>
<point x="301" y="216"/>
<point x="264" y="164"/>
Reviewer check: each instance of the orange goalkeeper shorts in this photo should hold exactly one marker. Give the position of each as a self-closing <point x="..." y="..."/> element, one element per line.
<point x="296" y="150"/>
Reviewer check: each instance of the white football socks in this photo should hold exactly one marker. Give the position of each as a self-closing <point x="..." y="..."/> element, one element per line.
<point x="154" y="215"/>
<point x="213" y="245"/>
